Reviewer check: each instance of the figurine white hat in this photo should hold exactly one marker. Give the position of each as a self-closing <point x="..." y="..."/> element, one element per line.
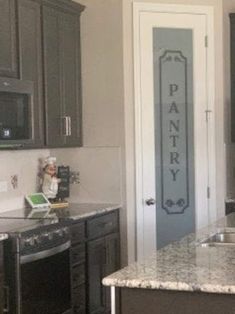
<point x="50" y="160"/>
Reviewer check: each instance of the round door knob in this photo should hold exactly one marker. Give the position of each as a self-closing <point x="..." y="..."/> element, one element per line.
<point x="150" y="201"/>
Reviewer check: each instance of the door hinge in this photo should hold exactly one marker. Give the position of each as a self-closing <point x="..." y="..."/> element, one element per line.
<point x="206" y="41"/>
<point x="208" y="192"/>
<point x="207" y="114"/>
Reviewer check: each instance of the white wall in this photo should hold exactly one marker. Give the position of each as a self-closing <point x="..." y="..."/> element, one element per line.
<point x="102" y="73"/>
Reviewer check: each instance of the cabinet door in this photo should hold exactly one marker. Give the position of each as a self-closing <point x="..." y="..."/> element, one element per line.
<point x="53" y="68"/>
<point x="8" y="47"/>
<point x="31" y="59"/>
<point x="96" y="272"/>
<point x="232" y="40"/>
<point x="1" y="279"/>
<point x="112" y="244"/>
<point x="71" y="76"/>
<point x="62" y="77"/>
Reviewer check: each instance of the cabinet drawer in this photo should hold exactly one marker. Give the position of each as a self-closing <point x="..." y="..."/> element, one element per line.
<point x="78" y="254"/>
<point x="78" y="275"/>
<point x="79" y="300"/>
<point x="100" y="226"/>
<point x="77" y="232"/>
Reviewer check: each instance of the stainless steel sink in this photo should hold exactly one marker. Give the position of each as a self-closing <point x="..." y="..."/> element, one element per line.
<point x="220" y="238"/>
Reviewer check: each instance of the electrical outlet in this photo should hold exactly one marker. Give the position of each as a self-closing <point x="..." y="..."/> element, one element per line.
<point x="3" y="186"/>
<point x="74" y="177"/>
<point x="14" y="181"/>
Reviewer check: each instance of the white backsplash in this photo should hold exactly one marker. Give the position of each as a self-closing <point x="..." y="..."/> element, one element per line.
<point x="24" y="164"/>
<point x="99" y="169"/>
<point x="100" y="173"/>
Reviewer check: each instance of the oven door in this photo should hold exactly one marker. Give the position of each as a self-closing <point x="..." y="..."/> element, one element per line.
<point x="46" y="281"/>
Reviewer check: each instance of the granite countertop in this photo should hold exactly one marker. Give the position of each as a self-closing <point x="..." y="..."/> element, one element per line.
<point x="184" y="266"/>
<point x="74" y="211"/>
<point x="3" y="236"/>
<point x="16" y="221"/>
<point x="82" y="211"/>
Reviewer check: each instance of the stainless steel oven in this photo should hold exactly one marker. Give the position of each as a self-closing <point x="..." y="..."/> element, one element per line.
<point x="37" y="272"/>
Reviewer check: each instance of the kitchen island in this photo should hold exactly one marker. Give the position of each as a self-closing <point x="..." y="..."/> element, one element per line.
<point x="182" y="278"/>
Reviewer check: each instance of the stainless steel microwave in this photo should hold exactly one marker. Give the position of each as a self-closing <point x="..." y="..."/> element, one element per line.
<point x="16" y="112"/>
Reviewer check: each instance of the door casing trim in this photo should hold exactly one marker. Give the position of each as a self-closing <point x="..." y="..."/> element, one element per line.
<point x="138" y="8"/>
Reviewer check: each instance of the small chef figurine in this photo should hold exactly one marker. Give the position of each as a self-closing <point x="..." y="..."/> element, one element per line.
<point x="50" y="180"/>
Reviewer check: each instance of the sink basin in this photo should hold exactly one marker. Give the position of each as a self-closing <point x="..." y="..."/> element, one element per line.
<point x="221" y="238"/>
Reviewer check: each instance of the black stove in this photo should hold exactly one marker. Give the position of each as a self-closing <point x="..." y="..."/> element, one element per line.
<point x="14" y="226"/>
<point x="37" y="266"/>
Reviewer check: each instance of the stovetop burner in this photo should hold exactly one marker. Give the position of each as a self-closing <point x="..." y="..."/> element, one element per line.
<point x="16" y="226"/>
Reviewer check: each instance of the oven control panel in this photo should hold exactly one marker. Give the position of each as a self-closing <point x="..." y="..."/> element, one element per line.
<point x="44" y="239"/>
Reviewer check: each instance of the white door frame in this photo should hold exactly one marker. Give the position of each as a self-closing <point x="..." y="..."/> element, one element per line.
<point x="138" y="8"/>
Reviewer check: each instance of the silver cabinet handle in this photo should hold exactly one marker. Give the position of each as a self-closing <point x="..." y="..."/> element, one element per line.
<point x="150" y="202"/>
<point x="69" y="127"/>
<point x="65" y="126"/>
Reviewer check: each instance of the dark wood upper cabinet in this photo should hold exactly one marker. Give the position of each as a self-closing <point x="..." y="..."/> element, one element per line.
<point x="62" y="79"/>
<point x="8" y="39"/>
<point x="30" y="51"/>
<point x="40" y="42"/>
<point x="232" y="34"/>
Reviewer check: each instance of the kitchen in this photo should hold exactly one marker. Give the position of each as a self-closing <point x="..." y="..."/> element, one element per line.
<point x="106" y="160"/>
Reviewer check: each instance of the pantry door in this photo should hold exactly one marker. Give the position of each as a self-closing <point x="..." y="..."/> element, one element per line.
<point x="173" y="127"/>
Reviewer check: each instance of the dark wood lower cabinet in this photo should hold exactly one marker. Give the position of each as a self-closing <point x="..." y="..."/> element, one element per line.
<point x="1" y="279"/>
<point x="96" y="271"/>
<point x="79" y="299"/>
<point x="95" y="254"/>
<point x="145" y="301"/>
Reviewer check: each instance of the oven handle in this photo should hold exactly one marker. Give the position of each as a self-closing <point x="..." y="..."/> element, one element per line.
<point x="43" y="254"/>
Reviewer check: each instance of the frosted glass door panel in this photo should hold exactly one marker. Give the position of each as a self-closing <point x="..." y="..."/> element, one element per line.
<point x="174" y="133"/>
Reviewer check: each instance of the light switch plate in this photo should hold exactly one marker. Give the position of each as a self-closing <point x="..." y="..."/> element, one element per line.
<point x="3" y="186"/>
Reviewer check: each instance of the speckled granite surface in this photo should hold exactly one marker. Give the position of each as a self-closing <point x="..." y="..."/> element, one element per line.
<point x="184" y="266"/>
<point x="82" y="211"/>
<point x="73" y="212"/>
